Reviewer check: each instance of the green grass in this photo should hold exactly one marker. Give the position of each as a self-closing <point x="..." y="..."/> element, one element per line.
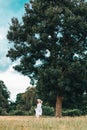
<point x="43" y="123"/>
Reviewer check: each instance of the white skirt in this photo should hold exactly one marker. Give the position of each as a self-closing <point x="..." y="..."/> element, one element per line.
<point x="38" y="112"/>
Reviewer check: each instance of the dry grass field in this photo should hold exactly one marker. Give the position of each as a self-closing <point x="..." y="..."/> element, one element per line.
<point x="43" y="123"/>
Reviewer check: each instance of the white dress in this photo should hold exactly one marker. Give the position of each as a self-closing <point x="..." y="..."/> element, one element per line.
<point x="39" y="109"/>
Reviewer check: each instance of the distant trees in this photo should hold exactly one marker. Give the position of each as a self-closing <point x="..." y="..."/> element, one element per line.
<point x="24" y="101"/>
<point x="4" y="98"/>
<point x="51" y="44"/>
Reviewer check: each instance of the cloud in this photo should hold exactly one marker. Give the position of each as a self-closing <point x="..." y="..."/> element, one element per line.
<point x="8" y="9"/>
<point x="4" y="61"/>
<point x="1" y="37"/>
<point x="15" y="82"/>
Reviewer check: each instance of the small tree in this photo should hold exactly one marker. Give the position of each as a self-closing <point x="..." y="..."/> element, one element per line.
<point x="26" y="100"/>
<point x="4" y="96"/>
<point x="20" y="104"/>
<point x="29" y="97"/>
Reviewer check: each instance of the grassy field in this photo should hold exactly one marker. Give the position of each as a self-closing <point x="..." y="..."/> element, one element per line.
<point x="43" y="123"/>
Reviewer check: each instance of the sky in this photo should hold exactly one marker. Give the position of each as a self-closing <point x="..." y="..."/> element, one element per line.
<point x="14" y="81"/>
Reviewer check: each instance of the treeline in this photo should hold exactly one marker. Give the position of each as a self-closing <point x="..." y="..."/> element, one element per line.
<point x="26" y="102"/>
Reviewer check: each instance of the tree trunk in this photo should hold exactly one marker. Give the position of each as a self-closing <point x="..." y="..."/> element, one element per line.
<point x="58" y="112"/>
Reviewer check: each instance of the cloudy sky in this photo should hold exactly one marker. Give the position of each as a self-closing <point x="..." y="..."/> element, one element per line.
<point x="14" y="81"/>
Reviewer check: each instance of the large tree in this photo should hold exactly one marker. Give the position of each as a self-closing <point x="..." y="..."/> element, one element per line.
<point x="51" y="44"/>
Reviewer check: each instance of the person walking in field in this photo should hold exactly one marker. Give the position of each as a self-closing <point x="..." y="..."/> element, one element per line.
<point x="38" y="109"/>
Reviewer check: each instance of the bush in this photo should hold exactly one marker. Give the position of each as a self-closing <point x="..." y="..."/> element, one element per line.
<point x="17" y="112"/>
<point x="72" y="112"/>
<point x="84" y="110"/>
<point x="48" y="111"/>
<point x="3" y="111"/>
<point x="32" y="111"/>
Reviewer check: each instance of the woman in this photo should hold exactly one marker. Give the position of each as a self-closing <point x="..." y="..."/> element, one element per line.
<point x="38" y="109"/>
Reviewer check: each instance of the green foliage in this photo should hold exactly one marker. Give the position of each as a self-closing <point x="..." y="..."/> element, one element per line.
<point x="83" y="109"/>
<point x="72" y="112"/>
<point x="75" y="106"/>
<point x="29" y="97"/>
<point x="48" y="111"/>
<point x="31" y="111"/>
<point x="17" y="112"/>
<point x="4" y="93"/>
<point x="3" y="111"/>
<point x="24" y="101"/>
<point x="19" y="103"/>
<point x="4" y="96"/>
<point x="12" y="106"/>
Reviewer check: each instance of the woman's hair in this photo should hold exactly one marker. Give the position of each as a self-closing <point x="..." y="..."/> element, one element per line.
<point x="39" y="100"/>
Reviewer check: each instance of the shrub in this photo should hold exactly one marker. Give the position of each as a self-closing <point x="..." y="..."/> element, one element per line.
<point x="17" y="112"/>
<point x="84" y="110"/>
<point x="3" y="111"/>
<point x="48" y="111"/>
<point x="72" y="112"/>
<point x="32" y="111"/>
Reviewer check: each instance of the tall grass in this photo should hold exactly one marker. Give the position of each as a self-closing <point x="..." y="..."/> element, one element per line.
<point x="43" y="123"/>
